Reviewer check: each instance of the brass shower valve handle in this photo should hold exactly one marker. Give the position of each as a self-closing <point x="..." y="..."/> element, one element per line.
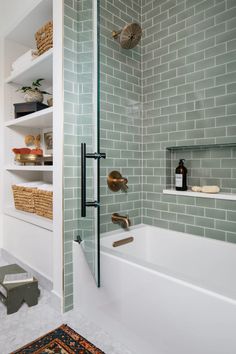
<point x="116" y="182"/>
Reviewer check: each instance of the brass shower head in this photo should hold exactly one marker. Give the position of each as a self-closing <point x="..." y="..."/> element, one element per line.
<point x="129" y="36"/>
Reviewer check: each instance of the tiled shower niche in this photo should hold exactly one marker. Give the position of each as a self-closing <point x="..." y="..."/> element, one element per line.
<point x="206" y="165"/>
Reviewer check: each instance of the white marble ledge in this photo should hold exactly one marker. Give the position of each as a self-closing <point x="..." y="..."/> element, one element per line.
<point x="189" y="193"/>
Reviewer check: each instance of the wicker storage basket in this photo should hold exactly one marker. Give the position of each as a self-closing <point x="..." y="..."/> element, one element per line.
<point x="43" y="201"/>
<point x="44" y="38"/>
<point x="24" y="198"/>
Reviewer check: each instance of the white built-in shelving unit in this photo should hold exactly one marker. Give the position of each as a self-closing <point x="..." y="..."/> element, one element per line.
<point x="16" y="129"/>
<point x="19" y="226"/>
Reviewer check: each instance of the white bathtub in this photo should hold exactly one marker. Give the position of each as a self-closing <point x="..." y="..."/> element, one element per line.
<point x="164" y="293"/>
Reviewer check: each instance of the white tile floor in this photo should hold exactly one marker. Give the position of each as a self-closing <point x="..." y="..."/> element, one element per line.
<point x="28" y="324"/>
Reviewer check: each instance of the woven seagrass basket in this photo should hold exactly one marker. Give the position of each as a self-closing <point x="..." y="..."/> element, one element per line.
<point x="44" y="38"/>
<point x="24" y="198"/>
<point x="43" y="201"/>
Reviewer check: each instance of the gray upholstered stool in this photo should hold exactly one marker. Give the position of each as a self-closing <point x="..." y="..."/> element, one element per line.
<point x="13" y="295"/>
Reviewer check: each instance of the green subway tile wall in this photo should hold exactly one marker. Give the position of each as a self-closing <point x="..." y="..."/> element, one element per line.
<point x="188" y="83"/>
<point x="120" y="113"/>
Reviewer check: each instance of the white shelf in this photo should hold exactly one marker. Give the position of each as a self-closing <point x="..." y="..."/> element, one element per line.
<point x="224" y="196"/>
<point x="30" y="218"/>
<point x="23" y="30"/>
<point x="41" y="119"/>
<point x="41" y="67"/>
<point x="30" y="168"/>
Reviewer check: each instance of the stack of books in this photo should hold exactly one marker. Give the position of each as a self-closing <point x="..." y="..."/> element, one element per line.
<point x="17" y="278"/>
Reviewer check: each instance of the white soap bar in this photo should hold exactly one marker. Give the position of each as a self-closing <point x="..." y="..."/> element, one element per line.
<point x="206" y="189"/>
<point x="196" y="189"/>
<point x="210" y="189"/>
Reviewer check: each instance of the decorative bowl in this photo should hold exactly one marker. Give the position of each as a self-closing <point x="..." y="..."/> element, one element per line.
<point x="28" y="159"/>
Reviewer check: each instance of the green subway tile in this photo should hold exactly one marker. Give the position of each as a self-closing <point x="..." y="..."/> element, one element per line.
<point x="193" y="210"/>
<point x="216" y="91"/>
<point x="226" y="204"/>
<point x="204" y="64"/>
<point x="195" y="230"/>
<point x="226" y="226"/>
<point x="231" y="45"/>
<point x="186" y="51"/>
<point x="168" y="198"/>
<point x="184" y="88"/>
<point x="219" y="8"/>
<point x="215" y="234"/>
<point x="215" y="132"/>
<point x="175" y="208"/>
<point x="231" y="237"/>
<point x="209" y="22"/>
<point x="195" y="134"/>
<point x="227" y="36"/>
<point x="211" y="163"/>
<point x="226" y="15"/>
<point x="216" y="71"/>
<point x="176" y="9"/>
<point x="203" y="84"/>
<point x="198" y="114"/>
<point x="186" y="125"/>
<point x="205" y="203"/>
<point x="214" y="112"/>
<point x="213" y="31"/>
<point x="196" y="57"/>
<point x="204" y="222"/>
<point x="186" y="219"/>
<point x="226" y="100"/>
<point x="229" y="163"/>
<point x="160" y="223"/>
<point x="168" y="216"/>
<point x="177" y="226"/>
<point x="231" y="109"/>
<point x="185" y="32"/>
<point x="185" y="14"/>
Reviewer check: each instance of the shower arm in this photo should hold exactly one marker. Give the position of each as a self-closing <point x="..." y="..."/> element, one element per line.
<point x="115" y="34"/>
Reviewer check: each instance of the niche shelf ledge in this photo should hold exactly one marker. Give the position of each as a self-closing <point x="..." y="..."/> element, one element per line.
<point x="189" y="193"/>
<point x="39" y="168"/>
<point x="40" y="119"/>
<point x="39" y="67"/>
<point x="30" y="218"/>
<point x="201" y="146"/>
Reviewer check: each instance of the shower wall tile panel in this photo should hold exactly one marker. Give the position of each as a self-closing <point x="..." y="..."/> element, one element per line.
<point x="78" y="108"/>
<point x="120" y="112"/>
<point x="189" y="97"/>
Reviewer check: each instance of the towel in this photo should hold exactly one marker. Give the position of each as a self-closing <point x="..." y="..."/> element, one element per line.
<point x="46" y="187"/>
<point x="24" y="59"/>
<point x="35" y="184"/>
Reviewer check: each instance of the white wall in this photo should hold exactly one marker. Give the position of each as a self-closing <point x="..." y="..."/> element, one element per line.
<point x="11" y="10"/>
<point x="7" y="19"/>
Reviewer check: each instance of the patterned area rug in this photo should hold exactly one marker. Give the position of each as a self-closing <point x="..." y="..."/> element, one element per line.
<point x="62" y="340"/>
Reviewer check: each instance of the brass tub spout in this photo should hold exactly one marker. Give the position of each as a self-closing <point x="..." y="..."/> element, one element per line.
<point x="123" y="221"/>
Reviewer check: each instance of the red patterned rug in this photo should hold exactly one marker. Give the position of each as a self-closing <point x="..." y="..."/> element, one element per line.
<point x="62" y="340"/>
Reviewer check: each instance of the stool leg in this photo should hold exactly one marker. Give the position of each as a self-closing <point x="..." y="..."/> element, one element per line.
<point x="31" y="298"/>
<point x="14" y="306"/>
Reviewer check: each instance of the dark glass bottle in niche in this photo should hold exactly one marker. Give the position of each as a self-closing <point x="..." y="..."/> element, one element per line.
<point x="181" y="176"/>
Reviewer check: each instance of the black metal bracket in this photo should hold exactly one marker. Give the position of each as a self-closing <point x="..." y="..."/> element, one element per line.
<point x="96" y="155"/>
<point x="84" y="156"/>
<point x="78" y="239"/>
